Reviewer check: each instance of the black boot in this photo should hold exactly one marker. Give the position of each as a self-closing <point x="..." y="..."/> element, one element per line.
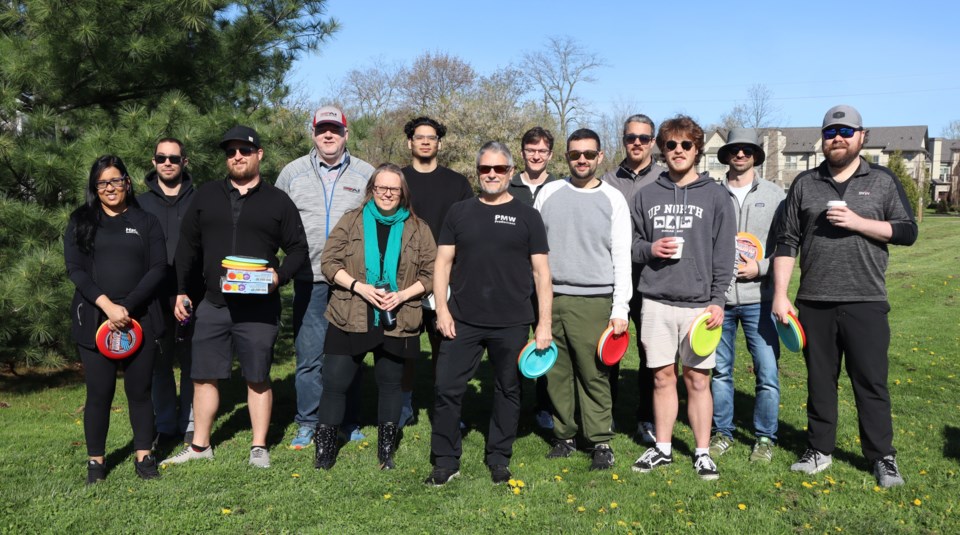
<point x="326" y="441"/>
<point x="386" y="444"/>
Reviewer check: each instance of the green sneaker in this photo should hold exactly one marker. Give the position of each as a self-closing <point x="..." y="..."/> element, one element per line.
<point x="762" y="451"/>
<point x="720" y="444"/>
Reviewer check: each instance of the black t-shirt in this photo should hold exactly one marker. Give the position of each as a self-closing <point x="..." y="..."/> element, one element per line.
<point x="118" y="257"/>
<point x="491" y="276"/>
<point x="432" y="194"/>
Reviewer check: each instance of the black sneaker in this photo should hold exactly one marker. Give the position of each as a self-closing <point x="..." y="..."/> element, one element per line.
<point x="562" y="449"/>
<point x="95" y="472"/>
<point x="651" y="459"/>
<point x="499" y="474"/>
<point x="602" y="457"/>
<point x="440" y="476"/>
<point x="147" y="468"/>
<point x="705" y="467"/>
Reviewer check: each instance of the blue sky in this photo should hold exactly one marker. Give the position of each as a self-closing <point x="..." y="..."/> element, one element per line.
<point x="896" y="62"/>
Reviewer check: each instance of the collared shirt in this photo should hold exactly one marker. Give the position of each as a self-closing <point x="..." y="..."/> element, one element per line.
<point x="237" y="199"/>
<point x="330" y="173"/>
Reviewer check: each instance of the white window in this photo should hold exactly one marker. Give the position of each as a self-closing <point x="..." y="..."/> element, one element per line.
<point x="791" y="161"/>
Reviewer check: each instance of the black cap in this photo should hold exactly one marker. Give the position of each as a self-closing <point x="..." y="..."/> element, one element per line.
<point x="241" y="133"/>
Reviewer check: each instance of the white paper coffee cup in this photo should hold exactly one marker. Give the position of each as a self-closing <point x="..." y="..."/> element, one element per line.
<point x="679" y="242"/>
<point x="834" y="204"/>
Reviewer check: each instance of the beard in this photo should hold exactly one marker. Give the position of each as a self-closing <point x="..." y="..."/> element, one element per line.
<point x="839" y="159"/>
<point x="251" y="171"/>
<point x="489" y="190"/>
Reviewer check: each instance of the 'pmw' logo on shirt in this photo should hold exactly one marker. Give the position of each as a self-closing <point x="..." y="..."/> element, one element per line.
<point x="505" y="219"/>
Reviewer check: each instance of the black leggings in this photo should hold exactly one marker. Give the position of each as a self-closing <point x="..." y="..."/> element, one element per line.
<point x="100" y="375"/>
<point x="338" y="373"/>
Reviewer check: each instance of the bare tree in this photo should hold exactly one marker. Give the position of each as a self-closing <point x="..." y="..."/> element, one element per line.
<point x="372" y="90"/>
<point x="758" y="111"/>
<point x="433" y="81"/>
<point x="557" y="71"/>
<point x="952" y="130"/>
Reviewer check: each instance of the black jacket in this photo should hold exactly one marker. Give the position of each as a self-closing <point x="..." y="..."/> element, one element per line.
<point x="141" y="303"/>
<point x="268" y="221"/>
<point x="170" y="214"/>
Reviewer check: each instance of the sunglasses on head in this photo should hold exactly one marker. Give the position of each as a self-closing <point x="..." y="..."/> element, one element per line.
<point x="845" y="132"/>
<point x="747" y="150"/>
<point x="244" y="151"/>
<point x="160" y="158"/>
<point x="498" y="169"/>
<point x="630" y="139"/>
<point x="685" y="144"/>
<point x="575" y="155"/>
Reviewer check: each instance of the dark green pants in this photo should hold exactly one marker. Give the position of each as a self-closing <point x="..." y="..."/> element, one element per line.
<point x="579" y="379"/>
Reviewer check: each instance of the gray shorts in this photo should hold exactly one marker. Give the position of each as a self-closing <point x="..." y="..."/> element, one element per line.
<point x="221" y="331"/>
<point x="664" y="335"/>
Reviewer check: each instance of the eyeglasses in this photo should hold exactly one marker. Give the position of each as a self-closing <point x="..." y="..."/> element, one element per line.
<point x="747" y="150"/>
<point x="383" y="190"/>
<point x="845" y="132"/>
<point x="161" y="158"/>
<point x="244" y="151"/>
<point x="685" y="144"/>
<point x="532" y="152"/>
<point x="575" y="155"/>
<point x="630" y="139"/>
<point x="498" y="169"/>
<point x="425" y="137"/>
<point x="117" y="183"/>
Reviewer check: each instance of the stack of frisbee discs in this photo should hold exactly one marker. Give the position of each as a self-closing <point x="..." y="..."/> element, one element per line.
<point x="245" y="275"/>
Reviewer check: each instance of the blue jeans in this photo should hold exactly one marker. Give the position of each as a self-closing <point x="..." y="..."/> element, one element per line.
<point x="764" y="345"/>
<point x="310" y="332"/>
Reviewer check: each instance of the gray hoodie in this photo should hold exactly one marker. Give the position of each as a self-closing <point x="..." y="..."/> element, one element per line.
<point x="702" y="214"/>
<point x="760" y="216"/>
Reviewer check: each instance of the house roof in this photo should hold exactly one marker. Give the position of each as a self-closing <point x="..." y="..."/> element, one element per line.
<point x="894" y="138"/>
<point x="800" y="139"/>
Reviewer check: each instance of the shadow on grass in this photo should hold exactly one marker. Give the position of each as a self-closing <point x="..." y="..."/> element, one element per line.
<point x="33" y="380"/>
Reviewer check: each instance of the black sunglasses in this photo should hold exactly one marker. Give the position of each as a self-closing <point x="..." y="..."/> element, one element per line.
<point x="244" y="151"/>
<point x="845" y="132"/>
<point x="685" y="144"/>
<point x="161" y="158"/>
<point x="575" y="155"/>
<point x="498" y="169"/>
<point x="747" y="150"/>
<point x="630" y="139"/>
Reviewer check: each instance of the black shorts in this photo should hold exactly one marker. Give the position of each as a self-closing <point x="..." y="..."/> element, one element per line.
<point x="221" y="331"/>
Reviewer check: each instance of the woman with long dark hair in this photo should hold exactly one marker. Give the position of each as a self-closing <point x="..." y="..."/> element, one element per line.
<point x="116" y="257"/>
<point x="380" y="260"/>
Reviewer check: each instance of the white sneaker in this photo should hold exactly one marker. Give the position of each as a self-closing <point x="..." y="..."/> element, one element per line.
<point x="259" y="457"/>
<point x="811" y="462"/>
<point x="187" y="454"/>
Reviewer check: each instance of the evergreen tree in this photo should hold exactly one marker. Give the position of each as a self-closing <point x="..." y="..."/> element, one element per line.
<point x="899" y="168"/>
<point x="82" y="78"/>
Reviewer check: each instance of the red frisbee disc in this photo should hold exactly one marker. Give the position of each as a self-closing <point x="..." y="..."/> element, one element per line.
<point x="611" y="348"/>
<point x="119" y="344"/>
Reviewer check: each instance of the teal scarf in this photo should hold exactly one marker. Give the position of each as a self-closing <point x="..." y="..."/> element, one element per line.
<point x="371" y="246"/>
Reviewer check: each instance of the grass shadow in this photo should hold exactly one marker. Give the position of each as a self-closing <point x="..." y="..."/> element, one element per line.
<point x="951" y="442"/>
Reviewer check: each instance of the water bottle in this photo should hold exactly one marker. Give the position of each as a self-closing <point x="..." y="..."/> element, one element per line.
<point x="387" y="317"/>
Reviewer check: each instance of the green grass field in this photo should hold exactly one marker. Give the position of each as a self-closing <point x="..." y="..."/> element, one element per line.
<point x="42" y="455"/>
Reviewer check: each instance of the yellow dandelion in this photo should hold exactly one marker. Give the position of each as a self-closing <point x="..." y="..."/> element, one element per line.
<point x="876" y="488"/>
<point x="826" y="491"/>
<point x="225" y="511"/>
<point x="653" y="493"/>
<point x="614" y="505"/>
<point x="516" y="490"/>
<point x="621" y="523"/>
<point x="512" y="482"/>
<point x="570" y="500"/>
<point x="565" y="470"/>
<point x="917" y="502"/>
<point x="807" y="485"/>
<point x="601" y="510"/>
<point x="521" y="484"/>
<point x="719" y="495"/>
<point x="778" y="484"/>
<point x="557" y="479"/>
<point x="294" y="475"/>
<point x="742" y="506"/>
<point x="387" y="496"/>
<point x="923" y="472"/>
<point x="520" y="465"/>
<point x="581" y="509"/>
<point x="615" y="477"/>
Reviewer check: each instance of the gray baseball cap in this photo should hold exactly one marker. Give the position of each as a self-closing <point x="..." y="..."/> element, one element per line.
<point x="842" y="115"/>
